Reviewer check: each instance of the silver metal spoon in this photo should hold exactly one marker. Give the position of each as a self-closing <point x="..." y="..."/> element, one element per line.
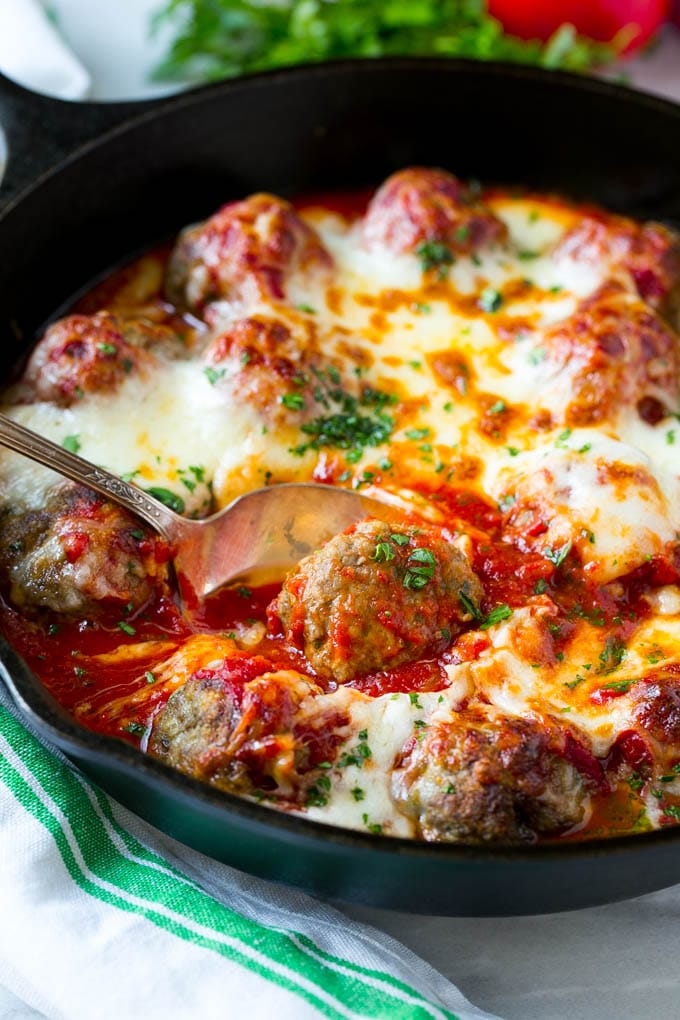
<point x="263" y="532"/>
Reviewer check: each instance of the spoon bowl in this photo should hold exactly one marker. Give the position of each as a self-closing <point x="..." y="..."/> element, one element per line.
<point x="264" y="531"/>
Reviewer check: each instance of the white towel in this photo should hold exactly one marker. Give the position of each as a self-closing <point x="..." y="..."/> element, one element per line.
<point x="103" y="917"/>
<point x="33" y="53"/>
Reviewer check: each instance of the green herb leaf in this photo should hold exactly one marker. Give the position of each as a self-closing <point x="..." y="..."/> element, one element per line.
<point x="213" y="374"/>
<point x="434" y="255"/>
<point x="383" y="552"/>
<point x="293" y="401"/>
<point x="71" y="443"/>
<point x="169" y="499"/>
<point x="497" y="615"/>
<point x="557" y="556"/>
<point x="490" y="300"/>
<point x="212" y="39"/>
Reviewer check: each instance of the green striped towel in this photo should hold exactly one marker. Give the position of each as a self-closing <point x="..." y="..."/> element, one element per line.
<point x="102" y="917"/>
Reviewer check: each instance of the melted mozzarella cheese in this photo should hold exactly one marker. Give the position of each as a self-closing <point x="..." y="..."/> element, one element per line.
<point x="597" y="493"/>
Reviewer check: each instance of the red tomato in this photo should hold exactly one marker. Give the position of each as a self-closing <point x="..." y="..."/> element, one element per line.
<point x="596" y="19"/>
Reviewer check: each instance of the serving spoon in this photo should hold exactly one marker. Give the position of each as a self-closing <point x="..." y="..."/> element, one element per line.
<point x="263" y="532"/>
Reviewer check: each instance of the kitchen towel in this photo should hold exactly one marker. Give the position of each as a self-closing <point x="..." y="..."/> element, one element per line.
<point x="33" y="53"/>
<point x="103" y="917"/>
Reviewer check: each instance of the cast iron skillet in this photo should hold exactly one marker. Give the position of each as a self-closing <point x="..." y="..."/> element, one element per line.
<point x="88" y="185"/>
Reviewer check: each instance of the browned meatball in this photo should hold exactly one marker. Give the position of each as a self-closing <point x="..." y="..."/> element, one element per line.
<point x="650" y="252"/>
<point x="242" y="252"/>
<point x="242" y="727"/>
<point x="83" y="354"/>
<point x="79" y="553"/>
<point x="656" y="707"/>
<point x="421" y="206"/>
<point x="483" y="777"/>
<point x="616" y="352"/>
<point x="374" y="597"/>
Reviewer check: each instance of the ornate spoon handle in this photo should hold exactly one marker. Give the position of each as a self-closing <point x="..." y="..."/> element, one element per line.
<point x="48" y="453"/>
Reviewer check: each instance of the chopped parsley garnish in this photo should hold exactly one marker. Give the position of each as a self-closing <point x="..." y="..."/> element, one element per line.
<point x="612" y="655"/>
<point x="497" y="615"/>
<point x="149" y="677"/>
<point x="71" y="443"/>
<point x="400" y="539"/>
<point x="420" y="568"/>
<point x="413" y="698"/>
<point x="557" y="556"/>
<point x="561" y="440"/>
<point x="540" y="586"/>
<point x="213" y="375"/>
<point x="490" y="300"/>
<point x="537" y="355"/>
<point x="126" y="627"/>
<point x="357" y="793"/>
<point x="306" y="308"/>
<point x="469" y="606"/>
<point x="245" y="593"/>
<point x="107" y="348"/>
<point x="416" y="434"/>
<point x="349" y="428"/>
<point x="435" y="255"/>
<point x="622" y="686"/>
<point x="526" y="256"/>
<point x="293" y="401"/>
<point x="137" y="729"/>
<point x="137" y="534"/>
<point x="168" y="498"/>
<point x="498" y="407"/>
<point x="371" y="826"/>
<point x="318" y="794"/>
<point x="571" y="684"/>
<point x="357" y="755"/>
<point x="383" y="552"/>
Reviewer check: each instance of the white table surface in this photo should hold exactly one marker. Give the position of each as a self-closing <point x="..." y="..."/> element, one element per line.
<point x="621" y="961"/>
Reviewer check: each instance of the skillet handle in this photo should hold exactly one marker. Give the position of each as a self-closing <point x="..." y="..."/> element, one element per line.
<point x="41" y="132"/>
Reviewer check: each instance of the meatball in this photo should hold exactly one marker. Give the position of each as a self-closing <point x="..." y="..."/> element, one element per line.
<point x="234" y="726"/>
<point x="79" y="553"/>
<point x="567" y="497"/>
<point x="374" y="597"/>
<point x="271" y="369"/>
<point x="656" y="707"/>
<point x="649" y="252"/>
<point x="483" y="777"/>
<point x="84" y="354"/>
<point x="422" y="205"/>
<point x="616" y="353"/>
<point x="243" y="252"/>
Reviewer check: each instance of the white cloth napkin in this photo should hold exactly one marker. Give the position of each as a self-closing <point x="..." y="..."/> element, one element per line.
<point x="104" y="917"/>
<point x="33" y="53"/>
